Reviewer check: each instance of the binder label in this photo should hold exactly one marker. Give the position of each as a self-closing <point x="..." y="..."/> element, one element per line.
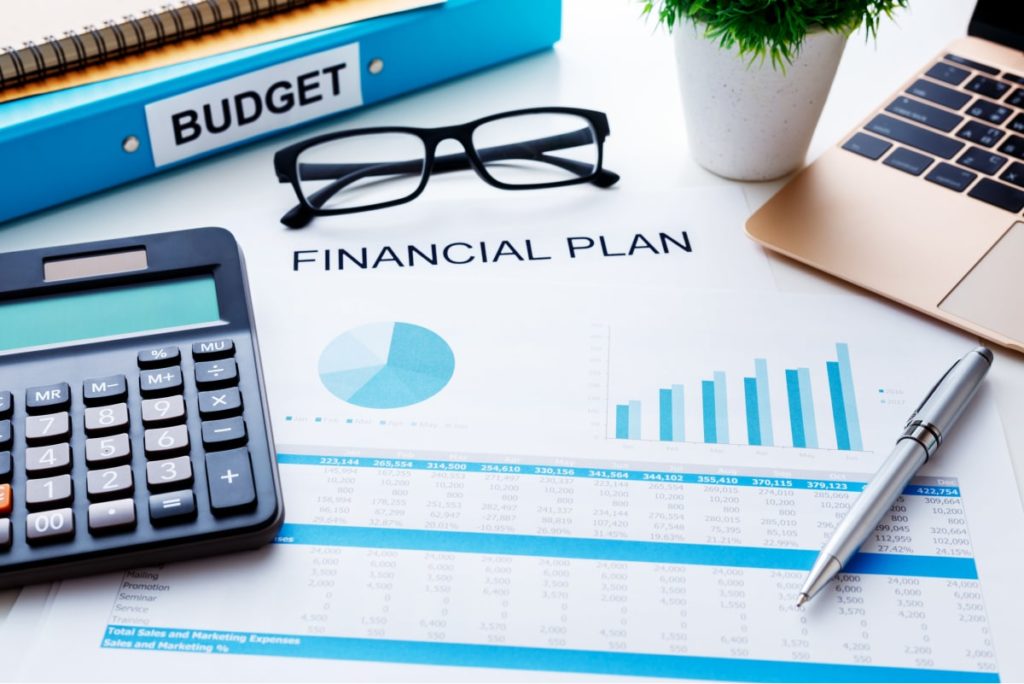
<point x="243" y="107"/>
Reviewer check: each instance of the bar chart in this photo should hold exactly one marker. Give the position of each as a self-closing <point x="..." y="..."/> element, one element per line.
<point x="752" y="423"/>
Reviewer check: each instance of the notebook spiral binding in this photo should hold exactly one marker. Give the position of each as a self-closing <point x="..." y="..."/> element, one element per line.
<point x="115" y="39"/>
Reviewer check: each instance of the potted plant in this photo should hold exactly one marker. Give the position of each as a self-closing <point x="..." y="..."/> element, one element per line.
<point x="754" y="74"/>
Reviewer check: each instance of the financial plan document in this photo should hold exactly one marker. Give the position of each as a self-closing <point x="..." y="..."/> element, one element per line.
<point x="591" y="476"/>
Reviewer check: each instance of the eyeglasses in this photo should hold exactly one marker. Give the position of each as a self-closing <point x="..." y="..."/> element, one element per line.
<point x="373" y="168"/>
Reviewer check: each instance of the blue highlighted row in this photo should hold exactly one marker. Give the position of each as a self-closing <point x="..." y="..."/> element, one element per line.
<point x="517" y="657"/>
<point x="617" y="550"/>
<point x="602" y="474"/>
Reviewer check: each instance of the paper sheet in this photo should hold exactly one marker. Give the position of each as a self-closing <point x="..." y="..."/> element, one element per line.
<point x="554" y="509"/>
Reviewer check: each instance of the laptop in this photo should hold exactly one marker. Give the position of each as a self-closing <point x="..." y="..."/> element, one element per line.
<point x="922" y="202"/>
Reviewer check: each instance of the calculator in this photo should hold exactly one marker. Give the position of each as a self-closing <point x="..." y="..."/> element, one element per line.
<point x="134" y="427"/>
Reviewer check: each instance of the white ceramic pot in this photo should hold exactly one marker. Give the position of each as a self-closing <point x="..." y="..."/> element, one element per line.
<point x="749" y="121"/>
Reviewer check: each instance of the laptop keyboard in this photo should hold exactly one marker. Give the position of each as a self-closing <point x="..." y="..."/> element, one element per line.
<point x="960" y="126"/>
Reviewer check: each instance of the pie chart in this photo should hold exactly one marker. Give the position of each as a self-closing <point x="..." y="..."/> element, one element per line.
<point x="386" y="365"/>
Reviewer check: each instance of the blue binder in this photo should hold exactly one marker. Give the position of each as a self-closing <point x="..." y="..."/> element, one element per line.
<point x="63" y="145"/>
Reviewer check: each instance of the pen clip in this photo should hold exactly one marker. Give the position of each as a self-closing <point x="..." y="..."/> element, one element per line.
<point x="931" y="392"/>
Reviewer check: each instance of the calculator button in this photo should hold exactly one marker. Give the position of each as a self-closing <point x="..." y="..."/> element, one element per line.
<point x="6" y="504"/>
<point x="112" y="516"/>
<point x="50" y="526"/>
<point x="214" y="349"/>
<point x="109" y="483"/>
<point x="220" y="403"/>
<point x="172" y="507"/>
<point x="6" y="436"/>
<point x="5" y="534"/>
<point x="6" y="466"/>
<point x="49" y="428"/>
<point x="224" y="434"/>
<point x="48" y="460"/>
<point x="169" y="473"/>
<point x="107" y="390"/>
<point x="48" y="492"/>
<point x="107" y="451"/>
<point x="229" y="475"/>
<point x="159" y="357"/>
<point x="163" y="411"/>
<point x="213" y="374"/>
<point x="157" y="383"/>
<point x="6" y="404"/>
<point x="164" y="442"/>
<point x="106" y="419"/>
<point x="48" y="398"/>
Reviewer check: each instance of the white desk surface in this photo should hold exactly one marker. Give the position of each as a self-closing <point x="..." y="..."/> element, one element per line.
<point x="608" y="59"/>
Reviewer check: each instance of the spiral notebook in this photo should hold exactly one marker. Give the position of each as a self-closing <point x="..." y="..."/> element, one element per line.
<point x="49" y="45"/>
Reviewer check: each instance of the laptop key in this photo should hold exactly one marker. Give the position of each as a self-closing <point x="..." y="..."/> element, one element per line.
<point x="914" y="136"/>
<point x="948" y="73"/>
<point x="977" y="132"/>
<point x="989" y="87"/>
<point x="982" y="160"/>
<point x="1017" y="123"/>
<point x="933" y="92"/>
<point x="1014" y="174"/>
<point x="867" y="145"/>
<point x="909" y="161"/>
<point x="997" y="194"/>
<point x="988" y="110"/>
<point x="972" y="64"/>
<point x="926" y="114"/>
<point x="949" y="176"/>
<point x="1014" y="146"/>
<point x="1017" y="99"/>
<point x="1013" y="78"/>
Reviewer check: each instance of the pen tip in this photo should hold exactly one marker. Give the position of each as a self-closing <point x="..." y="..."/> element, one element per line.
<point x="801" y="600"/>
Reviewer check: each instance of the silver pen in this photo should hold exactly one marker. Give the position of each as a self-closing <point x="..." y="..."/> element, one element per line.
<point x="922" y="436"/>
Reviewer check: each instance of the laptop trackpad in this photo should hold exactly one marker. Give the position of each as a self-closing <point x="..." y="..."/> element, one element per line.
<point x="992" y="294"/>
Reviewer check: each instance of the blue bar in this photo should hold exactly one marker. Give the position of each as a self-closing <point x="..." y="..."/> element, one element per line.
<point x="634" y="420"/>
<point x="807" y="404"/>
<point x="849" y="397"/>
<point x="796" y="418"/>
<point x="678" y="415"/>
<point x="835" y="387"/>
<point x="753" y="420"/>
<point x="621" y="421"/>
<point x="721" y="409"/>
<point x="770" y="558"/>
<point x="665" y="414"/>
<point x="710" y="425"/>
<point x="521" y="658"/>
<point x="764" y="406"/>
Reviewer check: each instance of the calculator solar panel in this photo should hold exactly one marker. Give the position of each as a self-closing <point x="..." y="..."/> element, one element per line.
<point x="133" y="422"/>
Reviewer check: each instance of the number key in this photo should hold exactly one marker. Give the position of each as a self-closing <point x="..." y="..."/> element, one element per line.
<point x="6" y="466"/>
<point x="106" y="419"/>
<point x="163" y="442"/>
<point x="47" y="460"/>
<point x="48" y="492"/>
<point x="6" y="436"/>
<point x="112" y="516"/>
<point x="163" y="411"/>
<point x="109" y="483"/>
<point x="107" y="451"/>
<point x="54" y="427"/>
<point x="169" y="473"/>
<point x="50" y="526"/>
<point x="158" y="383"/>
<point x="6" y="404"/>
<point x="5" y="534"/>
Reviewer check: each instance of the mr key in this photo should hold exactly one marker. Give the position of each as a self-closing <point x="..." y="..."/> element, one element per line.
<point x="165" y="455"/>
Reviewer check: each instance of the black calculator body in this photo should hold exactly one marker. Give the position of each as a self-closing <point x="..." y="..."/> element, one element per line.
<point x="134" y="428"/>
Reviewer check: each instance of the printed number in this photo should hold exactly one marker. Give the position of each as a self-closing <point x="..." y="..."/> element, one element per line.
<point x="170" y="470"/>
<point x="44" y="523"/>
<point x="49" y="488"/>
<point x="105" y="416"/>
<point x="163" y="407"/>
<point x="111" y="479"/>
<point x="49" y="420"/>
<point x="48" y="457"/>
<point x="166" y="440"/>
<point x="107" y="447"/>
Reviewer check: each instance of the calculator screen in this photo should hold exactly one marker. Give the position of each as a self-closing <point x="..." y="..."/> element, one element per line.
<point x="108" y="312"/>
